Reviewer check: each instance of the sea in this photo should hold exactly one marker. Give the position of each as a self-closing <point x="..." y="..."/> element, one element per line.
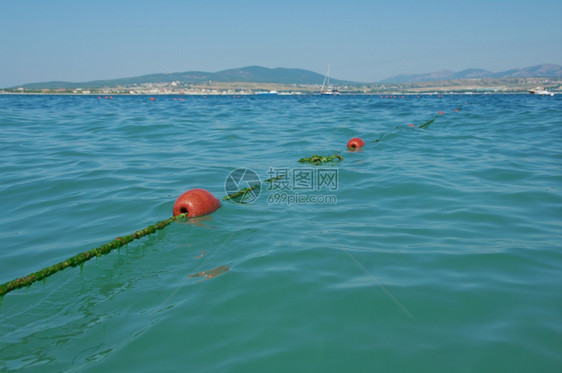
<point x="436" y="247"/>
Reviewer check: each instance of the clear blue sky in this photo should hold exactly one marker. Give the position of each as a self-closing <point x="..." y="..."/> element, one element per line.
<point x="79" y="40"/>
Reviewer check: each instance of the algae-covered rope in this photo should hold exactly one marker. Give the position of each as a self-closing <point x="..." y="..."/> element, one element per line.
<point x="81" y="258"/>
<point x="424" y="125"/>
<point x="242" y="192"/>
<point x="428" y="122"/>
<point x="321" y="159"/>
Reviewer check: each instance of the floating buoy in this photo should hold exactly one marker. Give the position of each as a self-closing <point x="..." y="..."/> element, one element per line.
<point x="441" y="113"/>
<point x="196" y="202"/>
<point x="411" y="125"/>
<point x="355" y="142"/>
<point x="152" y="99"/>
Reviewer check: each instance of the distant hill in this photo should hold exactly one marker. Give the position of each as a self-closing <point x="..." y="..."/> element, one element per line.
<point x="544" y="70"/>
<point x="254" y="74"/>
<point x="259" y="74"/>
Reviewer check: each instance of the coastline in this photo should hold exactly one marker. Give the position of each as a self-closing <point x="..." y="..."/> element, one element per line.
<point x="387" y="94"/>
<point x="465" y="86"/>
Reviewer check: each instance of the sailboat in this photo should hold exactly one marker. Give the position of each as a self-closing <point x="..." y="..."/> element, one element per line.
<point x="326" y="89"/>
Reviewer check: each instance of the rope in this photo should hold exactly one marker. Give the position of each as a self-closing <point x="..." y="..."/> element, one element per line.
<point x="321" y="159"/>
<point x="428" y="122"/>
<point x="424" y="125"/>
<point x="81" y="258"/>
<point x="242" y="192"/>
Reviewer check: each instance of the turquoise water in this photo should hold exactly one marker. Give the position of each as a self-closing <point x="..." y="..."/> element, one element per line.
<point x="436" y="249"/>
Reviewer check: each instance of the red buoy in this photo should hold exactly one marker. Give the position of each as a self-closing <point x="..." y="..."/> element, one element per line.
<point x="196" y="202"/>
<point x="355" y="142"/>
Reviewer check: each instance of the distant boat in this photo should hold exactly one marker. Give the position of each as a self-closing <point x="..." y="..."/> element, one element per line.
<point x="268" y="93"/>
<point x="540" y="91"/>
<point x="326" y="89"/>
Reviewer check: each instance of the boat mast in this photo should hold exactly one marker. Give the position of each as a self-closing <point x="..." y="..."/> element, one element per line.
<point x="326" y="79"/>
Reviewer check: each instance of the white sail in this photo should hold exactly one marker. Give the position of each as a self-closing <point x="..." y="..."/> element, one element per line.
<point x="326" y="89"/>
